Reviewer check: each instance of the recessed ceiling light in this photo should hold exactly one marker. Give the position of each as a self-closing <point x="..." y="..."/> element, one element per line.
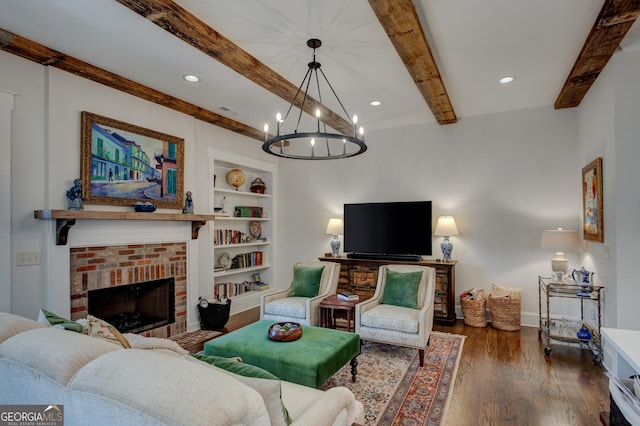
<point x="375" y="103"/>
<point x="506" y="80"/>
<point x="191" y="78"/>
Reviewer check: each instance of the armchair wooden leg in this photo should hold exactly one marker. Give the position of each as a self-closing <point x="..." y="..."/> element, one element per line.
<point x="421" y="355"/>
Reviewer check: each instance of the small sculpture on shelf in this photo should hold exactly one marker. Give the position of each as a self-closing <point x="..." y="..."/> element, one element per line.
<point x="188" y="204"/>
<point x="75" y="196"/>
<point x="225" y="206"/>
<point x="258" y="186"/>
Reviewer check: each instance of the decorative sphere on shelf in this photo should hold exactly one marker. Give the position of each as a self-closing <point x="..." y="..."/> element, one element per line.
<point x="236" y="178"/>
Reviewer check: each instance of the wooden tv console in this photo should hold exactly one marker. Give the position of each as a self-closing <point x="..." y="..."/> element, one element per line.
<point x="361" y="276"/>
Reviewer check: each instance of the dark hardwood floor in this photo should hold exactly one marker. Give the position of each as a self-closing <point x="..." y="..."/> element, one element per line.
<point x="504" y="378"/>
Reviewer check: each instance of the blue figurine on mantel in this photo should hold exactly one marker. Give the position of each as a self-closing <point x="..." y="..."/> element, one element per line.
<point x="188" y="204"/>
<point x="75" y="196"/>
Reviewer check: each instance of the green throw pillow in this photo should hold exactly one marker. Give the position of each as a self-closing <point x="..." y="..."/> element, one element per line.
<point x="236" y="367"/>
<point x="54" y="320"/>
<point x="401" y="289"/>
<point x="306" y="281"/>
<point x="251" y="372"/>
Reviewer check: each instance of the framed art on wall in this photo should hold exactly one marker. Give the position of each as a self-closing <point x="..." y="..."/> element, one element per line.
<point x="122" y="164"/>
<point x="592" y="220"/>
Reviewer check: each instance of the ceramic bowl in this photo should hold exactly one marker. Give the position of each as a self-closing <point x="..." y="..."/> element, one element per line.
<point x="144" y="207"/>
<point x="285" y="331"/>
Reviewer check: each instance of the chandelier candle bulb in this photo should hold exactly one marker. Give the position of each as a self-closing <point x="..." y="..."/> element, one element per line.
<point x="266" y="132"/>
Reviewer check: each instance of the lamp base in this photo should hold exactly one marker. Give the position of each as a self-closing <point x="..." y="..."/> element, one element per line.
<point x="560" y="265"/>
<point x="335" y="246"/>
<point x="447" y="248"/>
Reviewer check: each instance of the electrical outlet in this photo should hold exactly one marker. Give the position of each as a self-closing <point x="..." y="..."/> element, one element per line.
<point x="605" y="251"/>
<point x="28" y="258"/>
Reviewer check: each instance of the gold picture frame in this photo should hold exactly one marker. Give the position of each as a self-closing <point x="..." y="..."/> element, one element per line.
<point x="592" y="211"/>
<point x="122" y="164"/>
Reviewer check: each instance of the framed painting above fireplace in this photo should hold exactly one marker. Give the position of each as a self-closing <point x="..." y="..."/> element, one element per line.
<point x="122" y="164"/>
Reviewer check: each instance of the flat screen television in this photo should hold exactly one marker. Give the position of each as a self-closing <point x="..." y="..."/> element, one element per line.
<point x="388" y="230"/>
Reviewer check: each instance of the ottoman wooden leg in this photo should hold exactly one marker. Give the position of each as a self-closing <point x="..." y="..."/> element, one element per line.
<point x="354" y="368"/>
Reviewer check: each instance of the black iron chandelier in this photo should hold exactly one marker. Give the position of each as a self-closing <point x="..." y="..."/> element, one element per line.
<point x="317" y="144"/>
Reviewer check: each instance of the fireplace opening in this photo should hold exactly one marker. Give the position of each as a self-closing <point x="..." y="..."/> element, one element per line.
<point x="135" y="308"/>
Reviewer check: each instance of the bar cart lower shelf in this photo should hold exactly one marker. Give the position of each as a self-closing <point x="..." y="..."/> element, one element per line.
<point x="564" y="331"/>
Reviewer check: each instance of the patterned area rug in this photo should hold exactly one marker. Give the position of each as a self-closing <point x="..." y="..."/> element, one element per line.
<point x="392" y="387"/>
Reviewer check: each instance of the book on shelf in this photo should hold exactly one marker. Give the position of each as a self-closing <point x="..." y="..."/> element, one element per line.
<point x="258" y="286"/>
<point x="348" y="295"/>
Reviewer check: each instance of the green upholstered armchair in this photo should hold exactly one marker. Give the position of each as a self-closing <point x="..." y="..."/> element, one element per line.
<point x="312" y="282"/>
<point x="401" y="310"/>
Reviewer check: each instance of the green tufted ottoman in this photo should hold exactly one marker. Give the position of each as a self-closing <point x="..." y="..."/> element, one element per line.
<point x="309" y="361"/>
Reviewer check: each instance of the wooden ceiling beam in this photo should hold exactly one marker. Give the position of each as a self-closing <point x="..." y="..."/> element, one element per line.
<point x="189" y="28"/>
<point x="401" y="23"/>
<point x="613" y="22"/>
<point x="43" y="55"/>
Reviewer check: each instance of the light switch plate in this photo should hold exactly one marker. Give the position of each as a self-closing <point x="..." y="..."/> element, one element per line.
<point x="28" y="258"/>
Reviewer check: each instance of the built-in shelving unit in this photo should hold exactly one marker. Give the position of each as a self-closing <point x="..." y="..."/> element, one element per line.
<point x="65" y="219"/>
<point x="262" y="247"/>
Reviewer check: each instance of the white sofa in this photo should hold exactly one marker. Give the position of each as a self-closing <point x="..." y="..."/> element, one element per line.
<point x="101" y="383"/>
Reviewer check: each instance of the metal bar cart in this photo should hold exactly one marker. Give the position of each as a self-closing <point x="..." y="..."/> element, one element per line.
<point x="550" y="329"/>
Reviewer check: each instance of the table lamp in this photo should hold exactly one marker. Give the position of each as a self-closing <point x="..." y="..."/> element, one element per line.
<point x="445" y="228"/>
<point x="335" y="228"/>
<point x="560" y="241"/>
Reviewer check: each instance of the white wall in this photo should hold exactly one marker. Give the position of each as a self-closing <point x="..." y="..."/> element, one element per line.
<point x="627" y="211"/>
<point x="596" y="138"/>
<point x="28" y="150"/>
<point x="6" y="108"/>
<point x="609" y="126"/>
<point x="504" y="177"/>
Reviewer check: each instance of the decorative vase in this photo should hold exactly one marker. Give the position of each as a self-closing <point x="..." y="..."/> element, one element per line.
<point x="335" y="245"/>
<point x="447" y="248"/>
<point x="258" y="186"/>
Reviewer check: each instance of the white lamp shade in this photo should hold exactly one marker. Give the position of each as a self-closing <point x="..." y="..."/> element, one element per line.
<point x="446" y="227"/>
<point x="560" y="240"/>
<point x="335" y="226"/>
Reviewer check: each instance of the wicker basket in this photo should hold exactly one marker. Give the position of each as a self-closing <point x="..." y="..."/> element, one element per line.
<point x="475" y="311"/>
<point x="505" y="312"/>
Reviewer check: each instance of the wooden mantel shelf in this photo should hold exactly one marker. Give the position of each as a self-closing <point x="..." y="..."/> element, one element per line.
<point x="65" y="219"/>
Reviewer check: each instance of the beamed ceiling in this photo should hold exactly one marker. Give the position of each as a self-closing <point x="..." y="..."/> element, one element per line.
<point x="426" y="60"/>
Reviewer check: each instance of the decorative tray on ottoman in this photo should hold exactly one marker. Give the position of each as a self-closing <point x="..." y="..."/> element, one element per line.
<point x="285" y="331"/>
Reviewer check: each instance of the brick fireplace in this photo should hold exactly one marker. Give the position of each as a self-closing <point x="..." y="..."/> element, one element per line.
<point x="103" y="267"/>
